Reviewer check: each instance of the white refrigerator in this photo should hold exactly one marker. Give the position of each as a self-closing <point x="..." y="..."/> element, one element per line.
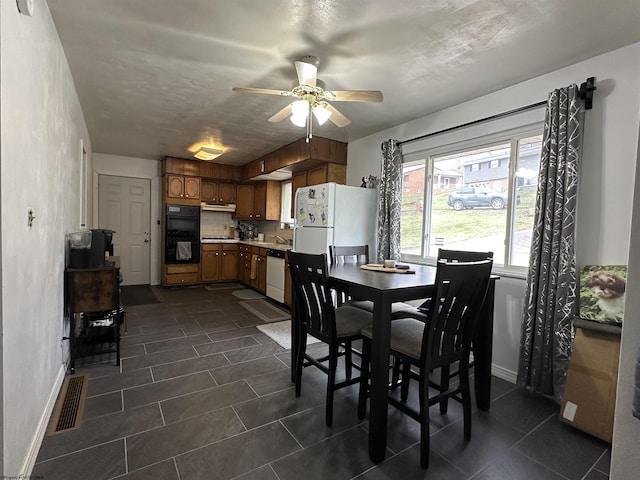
<point x="332" y="214"/>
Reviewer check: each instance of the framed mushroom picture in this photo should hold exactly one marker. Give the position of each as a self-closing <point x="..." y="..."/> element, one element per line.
<point x="602" y="293"/>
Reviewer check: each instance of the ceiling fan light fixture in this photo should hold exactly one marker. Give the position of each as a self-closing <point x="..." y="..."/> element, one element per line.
<point x="299" y="120"/>
<point x="321" y="114"/>
<point x="300" y="108"/>
<point x="205" y="152"/>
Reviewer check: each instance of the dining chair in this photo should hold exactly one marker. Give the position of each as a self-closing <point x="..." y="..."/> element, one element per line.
<point x="341" y="254"/>
<point x="442" y="341"/>
<point x="349" y="254"/>
<point x="420" y="312"/>
<point x="316" y="315"/>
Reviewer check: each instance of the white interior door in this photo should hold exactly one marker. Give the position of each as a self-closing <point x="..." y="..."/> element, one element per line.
<point x="124" y="205"/>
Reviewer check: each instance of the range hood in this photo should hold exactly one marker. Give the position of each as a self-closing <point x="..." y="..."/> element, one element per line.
<point x="217" y="207"/>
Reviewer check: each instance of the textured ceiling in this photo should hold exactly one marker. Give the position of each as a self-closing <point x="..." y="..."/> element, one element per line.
<point x="154" y="77"/>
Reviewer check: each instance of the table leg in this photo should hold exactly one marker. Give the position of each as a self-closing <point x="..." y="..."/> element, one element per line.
<point x="483" y="350"/>
<point x="379" y="399"/>
<point x="294" y="337"/>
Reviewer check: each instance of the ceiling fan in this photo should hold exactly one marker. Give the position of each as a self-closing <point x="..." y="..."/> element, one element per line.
<point x="312" y="98"/>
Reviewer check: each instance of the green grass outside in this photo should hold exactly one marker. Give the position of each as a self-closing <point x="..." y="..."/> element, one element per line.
<point x="461" y="225"/>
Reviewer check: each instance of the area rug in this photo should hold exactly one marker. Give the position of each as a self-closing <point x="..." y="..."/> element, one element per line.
<point x="137" y="295"/>
<point x="265" y="311"/>
<point x="247" y="294"/>
<point x="280" y="333"/>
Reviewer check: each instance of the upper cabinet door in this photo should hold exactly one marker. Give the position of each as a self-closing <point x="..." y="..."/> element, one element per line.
<point x="192" y="187"/>
<point x="227" y="192"/>
<point x="175" y="186"/>
<point x="209" y="192"/>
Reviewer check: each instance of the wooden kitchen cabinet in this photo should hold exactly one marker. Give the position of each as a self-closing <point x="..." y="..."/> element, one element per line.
<point x="181" y="166"/>
<point x="267" y="200"/>
<point x="259" y="282"/>
<point x="210" y="261"/>
<point x="212" y="170"/>
<point x="245" y="260"/>
<point x="244" y="263"/>
<point x="182" y="274"/>
<point x="219" y="262"/>
<point x="229" y="263"/>
<point x="328" y="172"/>
<point x="218" y="192"/>
<point x="258" y="200"/>
<point x="178" y="187"/>
<point x="244" y="201"/>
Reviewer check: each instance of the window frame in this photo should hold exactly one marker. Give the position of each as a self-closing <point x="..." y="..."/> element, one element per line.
<point x="286" y="220"/>
<point x="511" y="136"/>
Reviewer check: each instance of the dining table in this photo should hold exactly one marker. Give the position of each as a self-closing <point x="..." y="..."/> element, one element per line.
<point x="383" y="289"/>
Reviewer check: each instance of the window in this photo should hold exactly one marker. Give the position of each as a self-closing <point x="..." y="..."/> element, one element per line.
<point x="483" y="209"/>
<point x="285" y="206"/>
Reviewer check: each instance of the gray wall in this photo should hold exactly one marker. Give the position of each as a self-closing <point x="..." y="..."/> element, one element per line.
<point x="41" y="130"/>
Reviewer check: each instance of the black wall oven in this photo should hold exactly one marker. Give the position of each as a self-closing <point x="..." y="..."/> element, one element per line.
<point x="182" y="234"/>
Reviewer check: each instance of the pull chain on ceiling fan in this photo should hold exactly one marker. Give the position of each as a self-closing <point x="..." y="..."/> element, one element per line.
<point x="313" y="98"/>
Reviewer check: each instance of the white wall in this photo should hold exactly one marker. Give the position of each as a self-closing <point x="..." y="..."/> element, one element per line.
<point x="120" y="166"/>
<point x="41" y="127"/>
<point x="625" y="461"/>
<point x="605" y="203"/>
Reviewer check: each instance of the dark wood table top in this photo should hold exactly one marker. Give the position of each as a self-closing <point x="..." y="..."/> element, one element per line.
<point x="399" y="286"/>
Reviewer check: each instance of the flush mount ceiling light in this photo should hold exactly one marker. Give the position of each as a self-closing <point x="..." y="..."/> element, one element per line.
<point x="206" y="152"/>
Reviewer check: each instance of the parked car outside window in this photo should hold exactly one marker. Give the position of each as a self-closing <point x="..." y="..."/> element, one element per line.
<point x="471" y="197"/>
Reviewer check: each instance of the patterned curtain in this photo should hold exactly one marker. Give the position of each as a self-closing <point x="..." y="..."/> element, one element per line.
<point x="552" y="282"/>
<point x="390" y="202"/>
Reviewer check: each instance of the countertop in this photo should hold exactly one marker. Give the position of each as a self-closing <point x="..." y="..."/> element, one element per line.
<point x="272" y="245"/>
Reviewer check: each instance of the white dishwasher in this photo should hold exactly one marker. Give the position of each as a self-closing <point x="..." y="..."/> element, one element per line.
<point x="275" y="274"/>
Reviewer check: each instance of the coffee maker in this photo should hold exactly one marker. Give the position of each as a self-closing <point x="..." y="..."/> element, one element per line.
<point x="89" y="248"/>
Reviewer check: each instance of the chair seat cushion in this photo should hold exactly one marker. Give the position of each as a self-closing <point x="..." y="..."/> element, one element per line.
<point x="406" y="336"/>
<point x="368" y="306"/>
<point x="410" y="312"/>
<point x="351" y="320"/>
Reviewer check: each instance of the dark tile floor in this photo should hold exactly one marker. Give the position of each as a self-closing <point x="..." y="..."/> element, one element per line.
<point x="203" y="394"/>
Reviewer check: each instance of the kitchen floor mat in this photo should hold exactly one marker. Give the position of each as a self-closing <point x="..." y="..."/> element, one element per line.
<point x="280" y="332"/>
<point x="247" y="294"/>
<point x="265" y="311"/>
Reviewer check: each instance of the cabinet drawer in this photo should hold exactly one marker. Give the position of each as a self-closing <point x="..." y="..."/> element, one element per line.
<point x="178" y="269"/>
<point x="182" y="278"/>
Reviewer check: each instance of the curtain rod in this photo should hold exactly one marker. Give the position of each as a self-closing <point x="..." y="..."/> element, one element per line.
<point x="585" y="93"/>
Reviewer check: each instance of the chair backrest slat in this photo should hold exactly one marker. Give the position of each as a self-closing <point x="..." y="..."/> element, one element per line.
<point x="312" y="298"/>
<point x="460" y="290"/>
<point x="349" y="254"/>
<point x="463" y="255"/>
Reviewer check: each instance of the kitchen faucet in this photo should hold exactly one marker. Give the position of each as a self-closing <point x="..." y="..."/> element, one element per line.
<point x="279" y="239"/>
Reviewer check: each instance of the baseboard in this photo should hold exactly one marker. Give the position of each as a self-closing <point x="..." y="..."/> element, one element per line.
<point x="36" y="443"/>
<point x="504" y="374"/>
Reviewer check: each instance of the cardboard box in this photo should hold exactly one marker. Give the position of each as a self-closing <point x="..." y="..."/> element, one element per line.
<point x="589" y="398"/>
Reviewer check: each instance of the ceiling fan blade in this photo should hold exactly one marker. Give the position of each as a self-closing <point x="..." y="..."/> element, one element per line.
<point x="307" y="73"/>
<point x="262" y="90"/>
<point x="357" y="96"/>
<point x="338" y="119"/>
<point x="281" y="115"/>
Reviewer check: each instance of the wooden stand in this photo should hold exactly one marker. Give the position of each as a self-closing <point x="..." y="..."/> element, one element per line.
<point x="87" y="291"/>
